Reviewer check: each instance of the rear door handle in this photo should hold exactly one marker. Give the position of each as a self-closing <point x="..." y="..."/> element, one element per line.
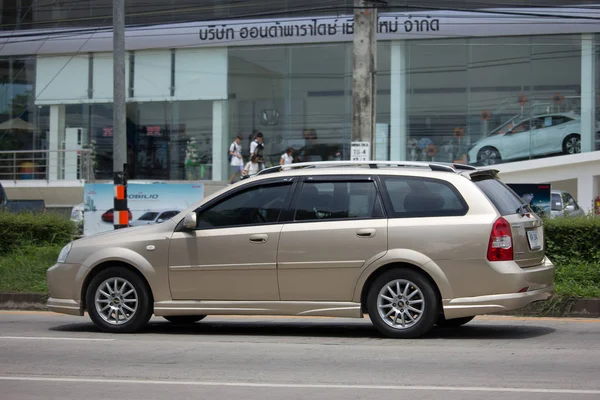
<point x="365" y="232"/>
<point x="259" y="238"/>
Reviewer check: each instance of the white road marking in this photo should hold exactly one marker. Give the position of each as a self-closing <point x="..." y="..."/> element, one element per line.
<point x="303" y="386"/>
<point x="54" y="338"/>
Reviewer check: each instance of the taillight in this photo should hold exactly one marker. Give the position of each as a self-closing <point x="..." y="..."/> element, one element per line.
<point x="500" y="247"/>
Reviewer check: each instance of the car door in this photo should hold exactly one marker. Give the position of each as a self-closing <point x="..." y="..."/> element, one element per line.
<point x="334" y="228"/>
<point x="571" y="208"/>
<point x="516" y="142"/>
<point x="232" y="254"/>
<point x="548" y="139"/>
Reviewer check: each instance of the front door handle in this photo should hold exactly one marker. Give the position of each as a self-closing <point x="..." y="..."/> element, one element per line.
<point x="365" y="233"/>
<point x="259" y="238"/>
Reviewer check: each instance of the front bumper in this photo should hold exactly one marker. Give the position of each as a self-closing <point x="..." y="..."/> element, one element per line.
<point x="539" y="280"/>
<point x="64" y="286"/>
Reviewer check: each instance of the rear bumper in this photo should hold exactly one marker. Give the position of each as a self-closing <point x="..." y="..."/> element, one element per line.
<point x="539" y="280"/>
<point x="65" y="306"/>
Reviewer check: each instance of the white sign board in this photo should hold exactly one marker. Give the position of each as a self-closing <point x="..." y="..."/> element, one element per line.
<point x="360" y="151"/>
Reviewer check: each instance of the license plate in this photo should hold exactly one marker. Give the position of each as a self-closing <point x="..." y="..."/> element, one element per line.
<point x="534" y="240"/>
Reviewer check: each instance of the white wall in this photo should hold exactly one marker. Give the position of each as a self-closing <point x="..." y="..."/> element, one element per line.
<point x="584" y="169"/>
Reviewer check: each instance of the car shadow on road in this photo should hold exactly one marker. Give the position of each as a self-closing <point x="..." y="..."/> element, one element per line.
<point x="325" y="329"/>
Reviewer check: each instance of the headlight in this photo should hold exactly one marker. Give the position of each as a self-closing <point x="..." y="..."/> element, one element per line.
<point x="64" y="253"/>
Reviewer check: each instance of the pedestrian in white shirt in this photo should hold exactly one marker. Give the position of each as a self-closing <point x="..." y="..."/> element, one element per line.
<point x="257" y="148"/>
<point x="252" y="167"/>
<point x="287" y="158"/>
<point x="237" y="161"/>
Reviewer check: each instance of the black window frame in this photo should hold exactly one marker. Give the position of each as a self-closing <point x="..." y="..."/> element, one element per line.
<point x="389" y="207"/>
<point x="291" y="181"/>
<point x="290" y="212"/>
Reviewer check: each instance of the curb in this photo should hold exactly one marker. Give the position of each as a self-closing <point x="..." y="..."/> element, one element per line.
<point x="556" y="307"/>
<point x="23" y="301"/>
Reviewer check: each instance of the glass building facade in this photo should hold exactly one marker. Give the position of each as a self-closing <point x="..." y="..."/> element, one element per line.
<point x="479" y="99"/>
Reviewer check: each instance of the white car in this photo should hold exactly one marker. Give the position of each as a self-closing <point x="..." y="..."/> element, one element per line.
<point x="154" y="217"/>
<point x="540" y="135"/>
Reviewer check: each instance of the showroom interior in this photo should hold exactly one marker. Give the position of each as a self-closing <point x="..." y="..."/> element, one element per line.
<point x="437" y="97"/>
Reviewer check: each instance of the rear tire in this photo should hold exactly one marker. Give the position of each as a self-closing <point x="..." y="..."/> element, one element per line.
<point x="453" y="323"/>
<point x="402" y="303"/>
<point x="119" y="301"/>
<point x="572" y="144"/>
<point x="184" y="319"/>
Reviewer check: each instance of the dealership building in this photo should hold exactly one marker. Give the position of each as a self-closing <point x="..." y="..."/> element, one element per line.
<point x="515" y="87"/>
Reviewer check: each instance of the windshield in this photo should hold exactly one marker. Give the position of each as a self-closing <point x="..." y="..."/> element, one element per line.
<point x="149" y="216"/>
<point x="504" y="199"/>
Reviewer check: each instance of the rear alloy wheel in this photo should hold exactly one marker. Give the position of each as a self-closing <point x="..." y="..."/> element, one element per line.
<point x="572" y="144"/>
<point x="402" y="304"/>
<point x="184" y="319"/>
<point x="488" y="156"/>
<point x="453" y="323"/>
<point x="118" y="301"/>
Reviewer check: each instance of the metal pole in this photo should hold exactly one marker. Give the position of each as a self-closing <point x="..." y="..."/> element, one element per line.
<point x="364" y="54"/>
<point x="121" y="214"/>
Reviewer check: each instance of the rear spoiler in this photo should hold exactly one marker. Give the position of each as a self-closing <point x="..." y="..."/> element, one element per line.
<point x="483" y="174"/>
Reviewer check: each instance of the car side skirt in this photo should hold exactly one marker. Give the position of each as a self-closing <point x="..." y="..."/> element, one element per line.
<point x="296" y="308"/>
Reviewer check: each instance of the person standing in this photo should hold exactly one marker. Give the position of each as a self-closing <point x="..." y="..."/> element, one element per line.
<point x="287" y="158"/>
<point x="235" y="155"/>
<point x="257" y="148"/>
<point x="251" y="168"/>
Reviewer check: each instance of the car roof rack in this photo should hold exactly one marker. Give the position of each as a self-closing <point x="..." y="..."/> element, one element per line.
<point x="434" y="166"/>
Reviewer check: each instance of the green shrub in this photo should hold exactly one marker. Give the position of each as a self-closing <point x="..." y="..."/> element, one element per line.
<point x="573" y="240"/>
<point x="24" y="270"/>
<point x="21" y="230"/>
<point x="577" y="280"/>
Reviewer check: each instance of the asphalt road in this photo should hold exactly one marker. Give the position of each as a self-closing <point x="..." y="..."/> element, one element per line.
<point x="52" y="356"/>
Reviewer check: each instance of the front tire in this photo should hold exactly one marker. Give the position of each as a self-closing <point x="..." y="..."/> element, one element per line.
<point x="184" y="319"/>
<point x="402" y="303"/>
<point x="453" y="323"/>
<point x="119" y="301"/>
<point x="488" y="156"/>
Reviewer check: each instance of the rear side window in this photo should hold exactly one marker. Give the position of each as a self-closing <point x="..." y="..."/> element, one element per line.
<point x="411" y="197"/>
<point x="320" y="201"/>
<point x="502" y="197"/>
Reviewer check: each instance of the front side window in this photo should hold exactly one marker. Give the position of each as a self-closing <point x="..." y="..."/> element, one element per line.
<point x="253" y="206"/>
<point x="419" y="197"/>
<point x="568" y="200"/>
<point x="319" y="201"/>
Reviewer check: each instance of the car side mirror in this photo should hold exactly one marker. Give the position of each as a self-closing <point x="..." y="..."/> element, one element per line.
<point x="570" y="208"/>
<point x="190" y="221"/>
<point x="160" y="221"/>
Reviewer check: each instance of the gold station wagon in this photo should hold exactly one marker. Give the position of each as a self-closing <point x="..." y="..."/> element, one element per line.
<point x="410" y="244"/>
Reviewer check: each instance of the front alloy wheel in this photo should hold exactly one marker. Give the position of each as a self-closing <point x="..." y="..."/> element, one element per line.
<point x="118" y="300"/>
<point x="488" y="156"/>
